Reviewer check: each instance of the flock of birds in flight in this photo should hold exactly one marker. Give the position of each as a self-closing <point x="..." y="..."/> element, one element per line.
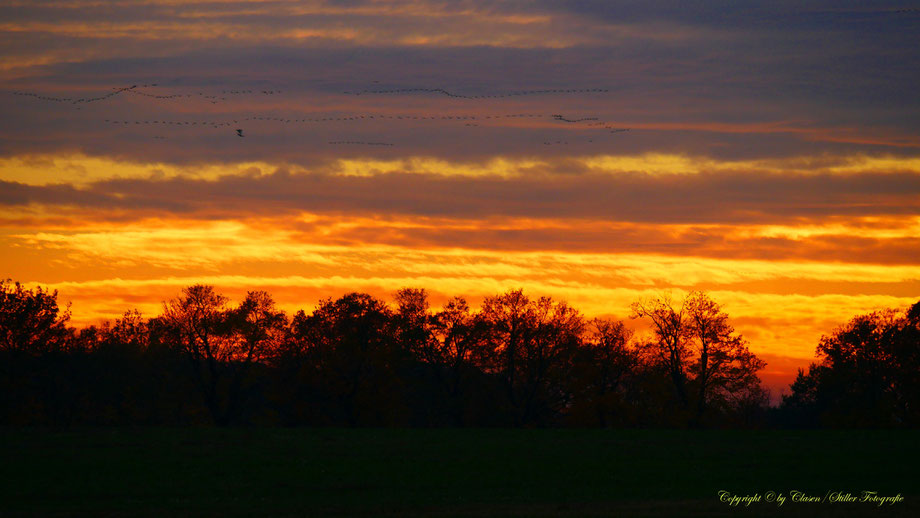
<point x="469" y="120"/>
<point x="133" y="89"/>
<point x="484" y="96"/>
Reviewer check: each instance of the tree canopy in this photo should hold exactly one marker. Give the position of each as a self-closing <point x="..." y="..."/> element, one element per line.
<point x="867" y="374"/>
<point x="357" y="360"/>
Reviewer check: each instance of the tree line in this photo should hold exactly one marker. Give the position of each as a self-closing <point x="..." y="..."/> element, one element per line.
<point x="360" y="361"/>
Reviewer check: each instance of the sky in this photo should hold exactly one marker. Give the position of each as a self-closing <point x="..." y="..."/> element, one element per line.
<point x="597" y="152"/>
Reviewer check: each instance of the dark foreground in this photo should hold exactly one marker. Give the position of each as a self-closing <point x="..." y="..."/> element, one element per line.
<point x="387" y="472"/>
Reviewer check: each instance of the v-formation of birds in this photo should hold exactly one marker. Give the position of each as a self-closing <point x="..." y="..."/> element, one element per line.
<point x="134" y="89"/>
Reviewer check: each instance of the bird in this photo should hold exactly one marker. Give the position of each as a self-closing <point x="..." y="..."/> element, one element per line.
<point x="239" y="133"/>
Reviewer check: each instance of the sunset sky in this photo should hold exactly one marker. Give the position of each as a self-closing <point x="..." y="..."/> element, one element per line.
<point x="593" y="151"/>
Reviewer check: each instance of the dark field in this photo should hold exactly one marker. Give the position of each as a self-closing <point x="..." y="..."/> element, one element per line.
<point x="423" y="472"/>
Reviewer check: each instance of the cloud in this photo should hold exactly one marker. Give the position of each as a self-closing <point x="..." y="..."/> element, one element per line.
<point x="528" y="190"/>
<point x="376" y="23"/>
<point x="711" y="80"/>
<point x="327" y="242"/>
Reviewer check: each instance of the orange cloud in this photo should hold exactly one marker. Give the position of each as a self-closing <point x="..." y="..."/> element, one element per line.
<point x="794" y="300"/>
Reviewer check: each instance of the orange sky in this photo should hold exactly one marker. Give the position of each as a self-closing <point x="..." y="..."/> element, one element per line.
<point x="771" y="158"/>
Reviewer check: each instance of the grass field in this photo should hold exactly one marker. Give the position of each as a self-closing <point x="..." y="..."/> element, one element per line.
<point x="393" y="472"/>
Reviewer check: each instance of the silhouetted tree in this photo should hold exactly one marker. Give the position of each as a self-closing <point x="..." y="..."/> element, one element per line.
<point x="725" y="370"/>
<point x="425" y="361"/>
<point x="868" y="374"/>
<point x="197" y="322"/>
<point x="34" y="342"/>
<point x="507" y="318"/>
<point x="297" y="393"/>
<point x="257" y="329"/>
<point x="452" y="329"/>
<point x="412" y="325"/>
<point x="602" y="369"/>
<point x="456" y="332"/>
<point x="31" y="321"/>
<point x="708" y="363"/>
<point x="351" y="342"/>
<point x="529" y="345"/>
<point x="671" y="348"/>
<point x="116" y="371"/>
